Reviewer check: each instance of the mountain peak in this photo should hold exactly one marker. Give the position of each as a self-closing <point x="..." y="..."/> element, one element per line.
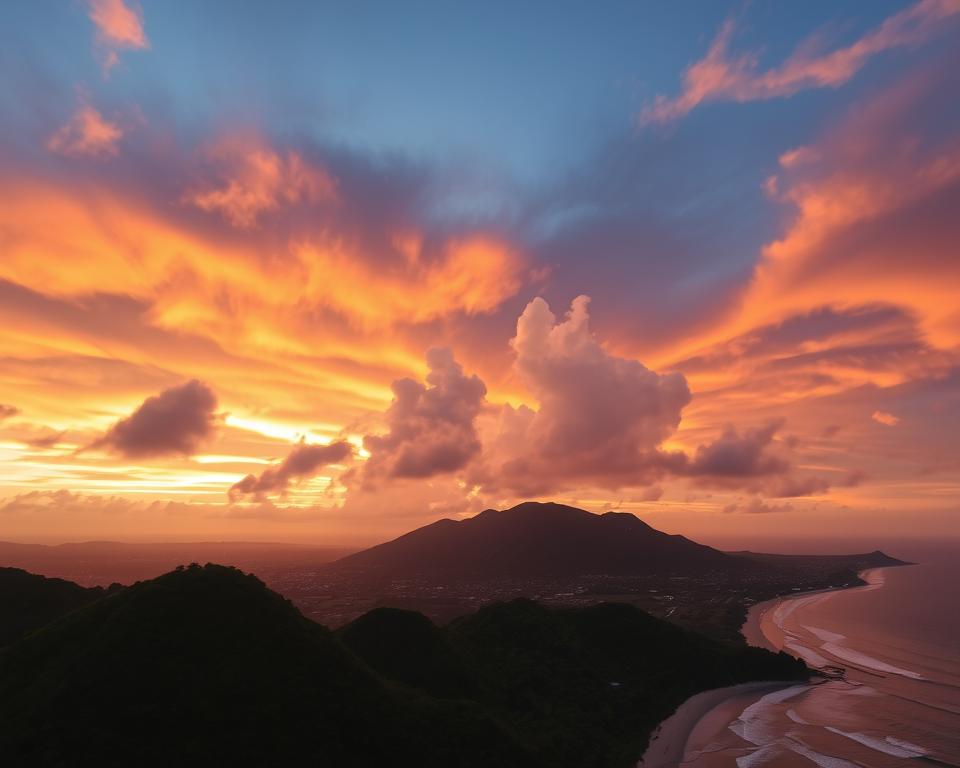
<point x="537" y="539"/>
<point x="545" y="507"/>
<point x="880" y="558"/>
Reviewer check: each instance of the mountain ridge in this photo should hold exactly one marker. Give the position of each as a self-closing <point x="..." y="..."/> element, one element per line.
<point x="539" y="538"/>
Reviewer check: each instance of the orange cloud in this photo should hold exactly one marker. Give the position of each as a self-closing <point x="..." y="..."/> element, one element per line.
<point x="474" y="274"/>
<point x="872" y="225"/>
<point x="722" y="76"/>
<point x="106" y="242"/>
<point x="86" y="134"/>
<point x="852" y="308"/>
<point x="106" y="293"/>
<point x="255" y="179"/>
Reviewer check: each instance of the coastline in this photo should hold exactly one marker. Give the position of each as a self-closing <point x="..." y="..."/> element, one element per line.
<point x="670" y="741"/>
<point x="752" y="629"/>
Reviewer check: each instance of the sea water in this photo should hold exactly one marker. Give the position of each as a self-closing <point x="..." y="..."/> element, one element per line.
<point x="898" y="642"/>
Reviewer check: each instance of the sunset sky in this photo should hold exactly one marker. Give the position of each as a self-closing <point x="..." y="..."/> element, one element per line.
<point x="325" y="272"/>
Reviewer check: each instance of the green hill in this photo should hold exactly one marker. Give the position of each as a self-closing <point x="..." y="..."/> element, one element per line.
<point x="206" y="666"/>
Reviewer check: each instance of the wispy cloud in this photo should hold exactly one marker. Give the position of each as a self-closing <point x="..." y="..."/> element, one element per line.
<point x="303" y="462"/>
<point x="724" y="75"/>
<point x="254" y="179"/>
<point x="756" y="506"/>
<point x="862" y="198"/>
<point x="86" y="134"/>
<point x="119" y="27"/>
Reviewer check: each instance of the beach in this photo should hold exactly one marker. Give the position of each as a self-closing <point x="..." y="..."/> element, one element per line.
<point x="896" y="702"/>
<point x="695" y="717"/>
<point x="761" y="631"/>
<point x="688" y="733"/>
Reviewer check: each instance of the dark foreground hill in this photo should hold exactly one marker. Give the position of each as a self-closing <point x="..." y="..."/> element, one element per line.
<point x="206" y="666"/>
<point x="539" y="539"/>
<point x="585" y="686"/>
<point x="28" y="601"/>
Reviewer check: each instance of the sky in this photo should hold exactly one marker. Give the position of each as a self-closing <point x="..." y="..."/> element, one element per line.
<point x="325" y="272"/>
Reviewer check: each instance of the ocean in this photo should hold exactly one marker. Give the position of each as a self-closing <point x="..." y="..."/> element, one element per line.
<point x="898" y="641"/>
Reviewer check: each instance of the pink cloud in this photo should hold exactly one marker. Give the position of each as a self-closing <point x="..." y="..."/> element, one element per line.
<point x="601" y="418"/>
<point x="888" y="419"/>
<point x="119" y="27"/>
<point x="255" y="179"/>
<point x="725" y="76"/>
<point x="602" y="421"/>
<point x="86" y="134"/>
<point x="432" y="428"/>
<point x="797" y="156"/>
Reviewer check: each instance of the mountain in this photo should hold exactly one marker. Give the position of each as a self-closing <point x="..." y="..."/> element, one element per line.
<point x="206" y="666"/>
<point x="539" y="539"/>
<point x="28" y="601"/>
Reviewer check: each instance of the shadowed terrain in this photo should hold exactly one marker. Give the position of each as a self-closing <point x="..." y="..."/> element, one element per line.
<point x="29" y="601"/>
<point x="205" y="665"/>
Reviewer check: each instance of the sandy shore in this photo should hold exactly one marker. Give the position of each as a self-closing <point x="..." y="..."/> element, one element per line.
<point x="700" y="716"/>
<point x="669" y="741"/>
<point x="753" y="629"/>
